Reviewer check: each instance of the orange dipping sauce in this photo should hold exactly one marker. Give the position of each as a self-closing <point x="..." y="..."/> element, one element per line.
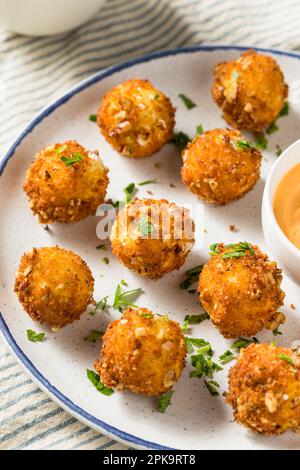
<point x="286" y="205"/>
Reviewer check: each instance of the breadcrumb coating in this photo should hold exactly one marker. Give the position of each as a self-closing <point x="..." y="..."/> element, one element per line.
<point x="142" y="352"/>
<point x="61" y="192"/>
<point x="136" y="118"/>
<point x="220" y="166"/>
<point x="152" y="237"/>
<point x="54" y="285"/>
<point x="242" y="295"/>
<point x="250" y="91"/>
<point x="264" y="389"/>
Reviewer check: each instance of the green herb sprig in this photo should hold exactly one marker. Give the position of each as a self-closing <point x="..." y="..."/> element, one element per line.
<point x="35" y="337"/>
<point x="189" y="104"/>
<point x="165" y="401"/>
<point x="95" y="380"/>
<point x="192" y="276"/>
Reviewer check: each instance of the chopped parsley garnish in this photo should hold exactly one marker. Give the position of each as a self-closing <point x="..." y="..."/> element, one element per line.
<point x="95" y="380"/>
<point x="285" y="109"/>
<point x="273" y="128"/>
<point x="243" y="343"/>
<point x="156" y="97"/>
<point x="227" y="356"/>
<point x="194" y="319"/>
<point x="237" y="250"/>
<point x="181" y="140"/>
<point x="35" y="337"/>
<point x="61" y="149"/>
<point x="94" y="335"/>
<point x="129" y="192"/>
<point x="105" y="260"/>
<point x="261" y="142"/>
<point x="243" y="144"/>
<point x="199" y="129"/>
<point x="165" y="401"/>
<point x="278" y="151"/>
<point x="93" y="117"/>
<point x="124" y="283"/>
<point x="192" y="276"/>
<point x="145" y="226"/>
<point x="101" y="247"/>
<point x="187" y="101"/>
<point x="211" y="386"/>
<point x="125" y="299"/>
<point x="76" y="157"/>
<point x="286" y="358"/>
<point x="276" y="332"/>
<point x="201" y="353"/>
<point x="143" y="183"/>
<point x="214" y="250"/>
<point x="145" y="315"/>
<point x="101" y="305"/>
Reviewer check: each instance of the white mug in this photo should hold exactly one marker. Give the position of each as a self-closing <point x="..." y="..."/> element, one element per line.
<point x="46" y="17"/>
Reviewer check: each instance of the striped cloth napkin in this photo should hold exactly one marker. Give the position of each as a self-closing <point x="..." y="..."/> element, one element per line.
<point x="35" y="71"/>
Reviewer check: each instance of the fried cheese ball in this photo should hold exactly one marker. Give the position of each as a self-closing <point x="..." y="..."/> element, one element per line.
<point x="240" y="290"/>
<point x="54" y="285"/>
<point x="65" y="183"/>
<point x="136" y="118"/>
<point x="142" y="352"/>
<point x="250" y="91"/>
<point x="220" y="166"/>
<point x="264" y="389"/>
<point x="152" y="237"/>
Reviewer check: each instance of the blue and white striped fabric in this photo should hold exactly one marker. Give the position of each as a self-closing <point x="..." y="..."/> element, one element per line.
<point x="34" y="71"/>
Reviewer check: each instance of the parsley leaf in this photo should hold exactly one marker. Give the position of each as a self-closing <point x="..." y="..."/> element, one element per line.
<point x="199" y="129"/>
<point x="181" y="140"/>
<point x="101" y="305"/>
<point x="94" y="335"/>
<point x="285" y="109"/>
<point x="145" y="226"/>
<point x="243" y="343"/>
<point x="261" y="142"/>
<point x="272" y="128"/>
<point x="61" y="149"/>
<point x="35" y="337"/>
<point x="105" y="260"/>
<point x="192" y="276"/>
<point x="165" y="401"/>
<point x="95" y="380"/>
<point x="286" y="358"/>
<point x="143" y="183"/>
<point x="227" y="356"/>
<point x="211" y="386"/>
<point x="125" y="299"/>
<point x="187" y="101"/>
<point x="93" y="117"/>
<point x="276" y="332"/>
<point x="243" y="144"/>
<point x="237" y="250"/>
<point x="76" y="157"/>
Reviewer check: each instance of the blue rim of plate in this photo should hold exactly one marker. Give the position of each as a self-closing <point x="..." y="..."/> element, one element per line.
<point x="65" y="402"/>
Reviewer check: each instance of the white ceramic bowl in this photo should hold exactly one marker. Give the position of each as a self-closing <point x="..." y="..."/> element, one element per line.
<point x="281" y="248"/>
<point x="46" y="17"/>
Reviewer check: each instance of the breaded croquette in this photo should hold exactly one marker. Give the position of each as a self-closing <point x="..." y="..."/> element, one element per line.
<point x="220" y="165"/>
<point x="54" y="285"/>
<point x="142" y="352"/>
<point x="264" y="389"/>
<point x="136" y="118"/>
<point x="250" y="91"/>
<point x="240" y="290"/>
<point x="65" y="183"/>
<point x="152" y="237"/>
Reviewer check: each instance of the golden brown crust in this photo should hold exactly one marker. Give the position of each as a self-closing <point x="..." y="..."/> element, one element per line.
<point x="241" y="295"/>
<point x="164" y="250"/>
<point x="216" y="169"/>
<point x="61" y="193"/>
<point x="140" y="354"/>
<point x="264" y="390"/>
<point x="136" y="118"/>
<point x="54" y="285"/>
<point x="250" y="91"/>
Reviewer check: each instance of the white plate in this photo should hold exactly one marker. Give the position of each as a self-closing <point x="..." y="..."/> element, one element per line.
<point x="196" y="420"/>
